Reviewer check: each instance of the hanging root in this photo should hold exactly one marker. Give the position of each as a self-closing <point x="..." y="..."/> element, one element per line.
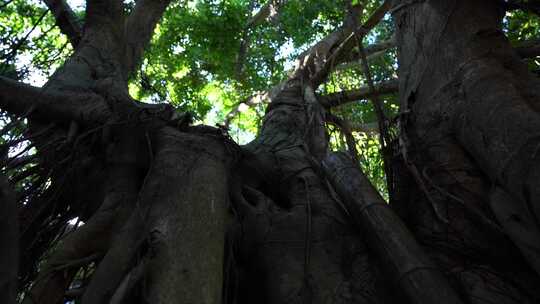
<point x="86" y="244"/>
<point x="345" y="128"/>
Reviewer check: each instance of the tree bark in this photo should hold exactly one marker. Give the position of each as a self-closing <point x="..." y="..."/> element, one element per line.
<point x="403" y="259"/>
<point x="65" y="20"/>
<point x="470" y="126"/>
<point x="293" y="225"/>
<point x="162" y="239"/>
<point x="187" y="222"/>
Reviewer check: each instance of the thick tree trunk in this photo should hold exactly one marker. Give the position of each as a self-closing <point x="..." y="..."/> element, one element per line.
<point x="155" y="227"/>
<point x="187" y="222"/>
<point x="297" y="243"/>
<point x="470" y="128"/>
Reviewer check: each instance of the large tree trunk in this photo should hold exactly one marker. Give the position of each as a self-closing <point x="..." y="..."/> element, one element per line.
<point x="159" y="195"/>
<point x="298" y="244"/>
<point x="469" y="129"/>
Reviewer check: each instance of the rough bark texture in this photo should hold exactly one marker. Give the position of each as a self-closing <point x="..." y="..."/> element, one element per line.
<point x="302" y="247"/>
<point x="158" y="195"/>
<point x="470" y="128"/>
<point x="65" y="20"/>
<point x="187" y="222"/>
<point x="419" y="280"/>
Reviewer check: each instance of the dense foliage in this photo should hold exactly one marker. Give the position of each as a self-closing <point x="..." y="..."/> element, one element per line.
<point x="193" y="59"/>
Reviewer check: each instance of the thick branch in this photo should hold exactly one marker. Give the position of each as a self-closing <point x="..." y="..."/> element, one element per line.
<point x="104" y="11"/>
<point x="403" y="259"/>
<point x="102" y="45"/>
<point x="372" y="51"/>
<point x="65" y="20"/>
<point x="319" y="60"/>
<point x="140" y="28"/>
<point x="339" y="98"/>
<point x="21" y="99"/>
<point x="327" y="101"/>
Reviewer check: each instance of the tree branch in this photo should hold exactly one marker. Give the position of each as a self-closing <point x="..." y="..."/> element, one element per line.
<point x="65" y="20"/>
<point x="259" y="98"/>
<point x="343" y="97"/>
<point x="20" y="99"/>
<point x="346" y="130"/>
<point x="372" y="51"/>
<point x="319" y="60"/>
<point x="100" y="12"/>
<point x="384" y="137"/>
<point x="139" y="29"/>
<point x="405" y="261"/>
<point x="269" y="11"/>
<point x="327" y="101"/>
<point x="102" y="44"/>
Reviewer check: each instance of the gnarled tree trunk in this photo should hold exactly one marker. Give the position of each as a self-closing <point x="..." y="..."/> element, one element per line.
<point x="181" y="214"/>
<point x="469" y="127"/>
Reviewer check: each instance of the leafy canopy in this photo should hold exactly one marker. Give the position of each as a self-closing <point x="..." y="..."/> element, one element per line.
<point x="193" y="57"/>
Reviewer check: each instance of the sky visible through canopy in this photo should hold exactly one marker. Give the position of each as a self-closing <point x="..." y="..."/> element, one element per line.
<point x="193" y="56"/>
